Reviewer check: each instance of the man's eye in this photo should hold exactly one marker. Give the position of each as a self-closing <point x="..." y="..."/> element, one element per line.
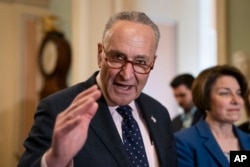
<point x="119" y="57"/>
<point x="141" y="62"/>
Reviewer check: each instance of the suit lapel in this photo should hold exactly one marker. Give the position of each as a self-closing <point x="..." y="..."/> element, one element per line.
<point x="243" y="139"/>
<point x="213" y="148"/>
<point x="154" y="127"/>
<point x="210" y="144"/>
<point x="104" y="127"/>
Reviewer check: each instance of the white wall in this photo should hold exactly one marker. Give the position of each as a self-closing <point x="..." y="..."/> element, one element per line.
<point x="185" y="14"/>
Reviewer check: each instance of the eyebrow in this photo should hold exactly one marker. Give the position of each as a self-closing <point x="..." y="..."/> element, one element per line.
<point x="228" y="89"/>
<point x="114" y="52"/>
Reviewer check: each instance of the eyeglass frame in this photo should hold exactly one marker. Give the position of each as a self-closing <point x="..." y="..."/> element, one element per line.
<point x="126" y="61"/>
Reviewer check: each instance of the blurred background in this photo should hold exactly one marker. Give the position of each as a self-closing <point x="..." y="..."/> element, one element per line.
<point x="195" y="34"/>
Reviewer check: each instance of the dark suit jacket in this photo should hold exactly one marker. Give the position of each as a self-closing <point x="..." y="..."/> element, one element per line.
<point x="245" y="126"/>
<point x="197" y="147"/>
<point x="177" y="121"/>
<point x="103" y="147"/>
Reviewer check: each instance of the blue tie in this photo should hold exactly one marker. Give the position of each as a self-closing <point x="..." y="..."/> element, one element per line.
<point x="132" y="139"/>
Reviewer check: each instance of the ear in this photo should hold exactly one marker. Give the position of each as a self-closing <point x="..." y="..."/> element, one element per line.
<point x="99" y="54"/>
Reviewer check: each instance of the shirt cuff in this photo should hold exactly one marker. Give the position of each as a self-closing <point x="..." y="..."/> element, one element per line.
<point x="44" y="163"/>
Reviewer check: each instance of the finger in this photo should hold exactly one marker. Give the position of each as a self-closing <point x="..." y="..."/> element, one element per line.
<point x="81" y="109"/>
<point x="82" y="97"/>
<point x="86" y="92"/>
<point x="79" y="106"/>
<point x="73" y="121"/>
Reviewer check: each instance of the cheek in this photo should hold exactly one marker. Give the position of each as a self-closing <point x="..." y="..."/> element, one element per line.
<point x="107" y="75"/>
<point x="216" y="104"/>
<point x="241" y="102"/>
<point x="142" y="80"/>
<point x="190" y="97"/>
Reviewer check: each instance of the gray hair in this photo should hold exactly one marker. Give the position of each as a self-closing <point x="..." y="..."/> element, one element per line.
<point x="133" y="16"/>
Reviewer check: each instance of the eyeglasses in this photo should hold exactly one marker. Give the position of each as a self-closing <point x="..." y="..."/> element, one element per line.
<point x="138" y="67"/>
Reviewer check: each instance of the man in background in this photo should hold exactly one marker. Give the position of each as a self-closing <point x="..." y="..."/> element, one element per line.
<point x="181" y="86"/>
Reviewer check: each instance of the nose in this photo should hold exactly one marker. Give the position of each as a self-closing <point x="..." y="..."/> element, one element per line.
<point x="178" y="101"/>
<point x="127" y="70"/>
<point x="236" y="99"/>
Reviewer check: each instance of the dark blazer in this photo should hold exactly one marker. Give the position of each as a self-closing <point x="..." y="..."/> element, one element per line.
<point x="196" y="146"/>
<point x="103" y="147"/>
<point x="177" y="121"/>
<point x="245" y="126"/>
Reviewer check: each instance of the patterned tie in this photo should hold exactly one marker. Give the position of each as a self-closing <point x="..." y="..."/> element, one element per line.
<point x="132" y="138"/>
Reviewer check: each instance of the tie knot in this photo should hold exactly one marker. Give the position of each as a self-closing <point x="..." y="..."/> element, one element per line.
<point x="125" y="111"/>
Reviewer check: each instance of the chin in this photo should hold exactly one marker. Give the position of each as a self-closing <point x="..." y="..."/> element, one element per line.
<point x="234" y="120"/>
<point x="121" y="101"/>
<point x="124" y="102"/>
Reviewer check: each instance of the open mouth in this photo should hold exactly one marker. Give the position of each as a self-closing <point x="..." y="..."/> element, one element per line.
<point x="122" y="86"/>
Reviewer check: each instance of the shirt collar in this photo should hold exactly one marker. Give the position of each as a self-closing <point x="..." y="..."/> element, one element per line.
<point x="191" y="113"/>
<point x="113" y="111"/>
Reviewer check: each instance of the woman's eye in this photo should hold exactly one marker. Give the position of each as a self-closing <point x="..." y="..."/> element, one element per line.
<point x="224" y="93"/>
<point x="239" y="93"/>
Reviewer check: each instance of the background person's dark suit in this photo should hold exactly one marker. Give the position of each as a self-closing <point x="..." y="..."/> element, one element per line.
<point x="245" y="126"/>
<point x="103" y="147"/>
<point x="177" y="122"/>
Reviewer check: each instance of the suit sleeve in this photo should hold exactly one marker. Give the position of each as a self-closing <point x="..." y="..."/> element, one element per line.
<point x="185" y="154"/>
<point x="39" y="138"/>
